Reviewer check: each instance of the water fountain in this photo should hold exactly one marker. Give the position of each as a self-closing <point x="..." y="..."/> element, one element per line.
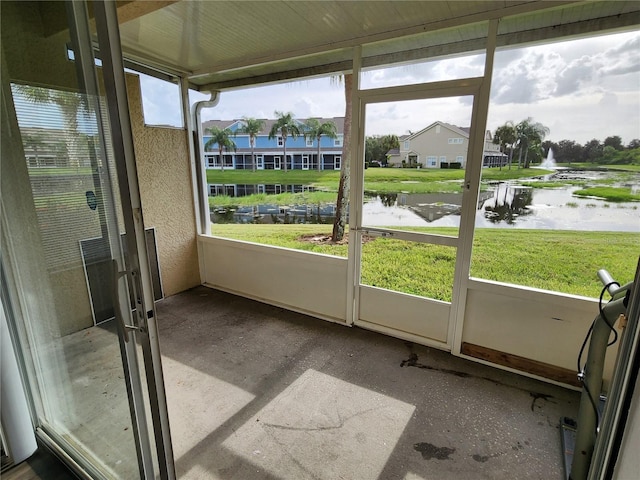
<point x="549" y="163"/>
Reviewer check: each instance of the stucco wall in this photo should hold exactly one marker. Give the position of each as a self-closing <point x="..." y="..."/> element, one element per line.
<point x="164" y="175"/>
<point x="437" y="144"/>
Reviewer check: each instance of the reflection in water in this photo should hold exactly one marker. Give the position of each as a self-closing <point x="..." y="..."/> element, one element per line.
<point x="505" y="205"/>
<point x="273" y="214"/>
<point x="388" y="199"/>
<point x="508" y="203"/>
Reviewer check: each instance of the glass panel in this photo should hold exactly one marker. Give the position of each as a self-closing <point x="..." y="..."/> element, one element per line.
<point x="61" y="211"/>
<point x="409" y="267"/>
<point x="428" y="71"/>
<point x="415" y="154"/>
<point x="432" y="56"/>
<point x="563" y="192"/>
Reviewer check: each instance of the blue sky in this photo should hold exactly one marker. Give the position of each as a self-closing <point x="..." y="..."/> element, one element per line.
<point x="580" y="89"/>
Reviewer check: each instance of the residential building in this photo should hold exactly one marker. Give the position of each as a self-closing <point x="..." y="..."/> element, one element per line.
<point x="440" y="145"/>
<point x="302" y="152"/>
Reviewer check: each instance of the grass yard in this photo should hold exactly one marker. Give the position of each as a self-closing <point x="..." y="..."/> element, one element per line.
<point x="611" y="194"/>
<point x="562" y="261"/>
<point x="377" y="180"/>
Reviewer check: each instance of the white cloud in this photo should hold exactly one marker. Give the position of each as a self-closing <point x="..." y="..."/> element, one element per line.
<point x="583" y="89"/>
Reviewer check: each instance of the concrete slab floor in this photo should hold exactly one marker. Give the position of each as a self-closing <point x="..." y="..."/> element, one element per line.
<point x="257" y="392"/>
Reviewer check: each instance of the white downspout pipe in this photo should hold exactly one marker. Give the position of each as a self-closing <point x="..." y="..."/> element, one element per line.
<point x="196" y="139"/>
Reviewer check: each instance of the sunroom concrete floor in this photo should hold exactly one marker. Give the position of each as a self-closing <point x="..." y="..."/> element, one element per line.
<point x="258" y="392"/>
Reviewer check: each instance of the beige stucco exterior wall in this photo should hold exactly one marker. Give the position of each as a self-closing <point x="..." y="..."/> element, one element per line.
<point x="164" y="175"/>
<point x="435" y="141"/>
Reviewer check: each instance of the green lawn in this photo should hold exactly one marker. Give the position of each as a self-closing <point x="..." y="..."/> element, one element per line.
<point x="377" y="180"/>
<point x="563" y="261"/>
<point x="612" y="194"/>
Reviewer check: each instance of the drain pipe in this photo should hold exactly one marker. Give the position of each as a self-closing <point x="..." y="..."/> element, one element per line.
<point x="203" y="217"/>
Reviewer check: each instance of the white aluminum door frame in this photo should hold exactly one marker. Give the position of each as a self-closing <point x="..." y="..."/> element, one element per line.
<point x="144" y="328"/>
<point x="479" y="88"/>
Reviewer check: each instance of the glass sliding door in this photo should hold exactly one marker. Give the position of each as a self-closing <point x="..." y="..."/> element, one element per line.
<point x="93" y="384"/>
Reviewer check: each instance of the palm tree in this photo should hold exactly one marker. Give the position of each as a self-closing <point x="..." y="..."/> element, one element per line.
<point x="251" y="127"/>
<point x="314" y="130"/>
<point x="285" y="125"/>
<point x="389" y="142"/>
<point x="221" y="137"/>
<point x="530" y="135"/>
<point x="71" y="104"/>
<point x="506" y="137"/>
<point x="342" y="203"/>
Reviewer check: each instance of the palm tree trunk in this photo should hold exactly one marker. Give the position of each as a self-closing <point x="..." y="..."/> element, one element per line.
<point x="221" y="159"/>
<point x="519" y="157"/>
<point x="319" y="154"/>
<point x="284" y="144"/>
<point x="342" y="203"/>
<point x="253" y="159"/>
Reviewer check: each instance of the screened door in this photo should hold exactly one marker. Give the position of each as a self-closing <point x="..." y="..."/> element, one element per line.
<point x="408" y="233"/>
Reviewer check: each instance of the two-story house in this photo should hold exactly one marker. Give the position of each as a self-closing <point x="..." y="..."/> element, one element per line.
<point x="302" y="153"/>
<point x="439" y="145"/>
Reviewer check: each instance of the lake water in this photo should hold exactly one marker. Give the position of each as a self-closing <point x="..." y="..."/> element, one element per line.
<point x="504" y="205"/>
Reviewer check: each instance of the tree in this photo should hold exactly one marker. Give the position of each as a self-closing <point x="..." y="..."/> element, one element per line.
<point x="251" y="127"/>
<point x="372" y="148"/>
<point x="342" y="203"/>
<point x="614" y="141"/>
<point x="506" y="137"/>
<point x="376" y="147"/>
<point x="592" y="151"/>
<point x="285" y="126"/>
<point x="314" y="130"/>
<point x="530" y="135"/>
<point x="635" y="143"/>
<point x="568" y="151"/>
<point x="71" y="104"/>
<point x="388" y="142"/>
<point x="222" y="138"/>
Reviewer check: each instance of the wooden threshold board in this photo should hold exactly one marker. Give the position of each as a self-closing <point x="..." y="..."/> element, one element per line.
<point x="523" y="364"/>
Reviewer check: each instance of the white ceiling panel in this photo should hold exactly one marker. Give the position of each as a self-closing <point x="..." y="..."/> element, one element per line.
<point x="233" y="42"/>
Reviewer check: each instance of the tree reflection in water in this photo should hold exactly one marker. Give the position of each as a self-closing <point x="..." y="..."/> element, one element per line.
<point x="508" y="203"/>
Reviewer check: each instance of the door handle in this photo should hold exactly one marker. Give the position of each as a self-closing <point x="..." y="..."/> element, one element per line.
<point x="116" y="301"/>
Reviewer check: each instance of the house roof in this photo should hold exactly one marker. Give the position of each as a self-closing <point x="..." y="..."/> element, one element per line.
<point x="268" y="123"/>
<point x="229" y="44"/>
<point x="464" y="131"/>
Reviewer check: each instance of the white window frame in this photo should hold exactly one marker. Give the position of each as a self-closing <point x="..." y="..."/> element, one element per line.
<point x="460" y="159"/>
<point x="432" y="161"/>
<point x="337" y="162"/>
<point x="309" y="142"/>
<point x="337" y="142"/>
<point x="407" y="144"/>
<point x="259" y="162"/>
<point x="305" y="162"/>
<point x="280" y="141"/>
<point x="277" y="162"/>
<point x="443" y="158"/>
<point x="456" y="141"/>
